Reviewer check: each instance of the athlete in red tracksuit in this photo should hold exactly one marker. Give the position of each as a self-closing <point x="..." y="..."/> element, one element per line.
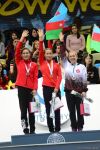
<point x="27" y="83"/>
<point x="51" y="73"/>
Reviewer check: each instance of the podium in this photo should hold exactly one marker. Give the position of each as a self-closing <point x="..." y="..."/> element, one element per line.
<point x="86" y="140"/>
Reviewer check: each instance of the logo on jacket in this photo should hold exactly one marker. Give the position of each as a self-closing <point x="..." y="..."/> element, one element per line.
<point x="78" y="70"/>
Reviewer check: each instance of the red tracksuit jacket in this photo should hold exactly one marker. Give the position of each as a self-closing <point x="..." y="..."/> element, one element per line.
<point x="53" y="81"/>
<point x="23" y="80"/>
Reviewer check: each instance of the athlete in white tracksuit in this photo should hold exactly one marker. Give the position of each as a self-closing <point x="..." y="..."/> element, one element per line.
<point x="75" y="79"/>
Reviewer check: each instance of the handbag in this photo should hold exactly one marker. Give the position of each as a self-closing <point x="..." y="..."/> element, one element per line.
<point x="85" y="109"/>
<point x="57" y="104"/>
<point x="34" y="106"/>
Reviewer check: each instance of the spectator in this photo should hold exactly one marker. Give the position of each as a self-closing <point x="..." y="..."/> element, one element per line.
<point x="56" y="55"/>
<point x="76" y="42"/>
<point x="10" y="51"/>
<point x="12" y="72"/>
<point x="31" y="38"/>
<point x="3" y="78"/>
<point x="2" y="48"/>
<point x="92" y="71"/>
<point x="35" y="50"/>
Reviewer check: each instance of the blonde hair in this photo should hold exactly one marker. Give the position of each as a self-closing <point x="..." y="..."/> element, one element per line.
<point x="48" y="49"/>
<point x="72" y="51"/>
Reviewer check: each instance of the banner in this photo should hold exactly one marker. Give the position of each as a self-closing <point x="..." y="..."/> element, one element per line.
<point x="35" y="13"/>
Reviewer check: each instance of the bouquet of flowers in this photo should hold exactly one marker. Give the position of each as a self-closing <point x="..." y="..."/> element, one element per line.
<point x="79" y="95"/>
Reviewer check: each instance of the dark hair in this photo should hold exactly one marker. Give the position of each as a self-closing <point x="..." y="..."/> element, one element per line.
<point x="35" y="29"/>
<point x="13" y="32"/>
<point x="78" y="34"/>
<point x="31" y="38"/>
<point x="85" y="56"/>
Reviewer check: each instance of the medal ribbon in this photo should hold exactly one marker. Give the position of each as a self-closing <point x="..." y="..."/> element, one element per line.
<point x="50" y="67"/>
<point x="28" y="68"/>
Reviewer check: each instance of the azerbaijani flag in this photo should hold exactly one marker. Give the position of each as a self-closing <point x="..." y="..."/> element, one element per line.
<point x="95" y="41"/>
<point x="55" y="25"/>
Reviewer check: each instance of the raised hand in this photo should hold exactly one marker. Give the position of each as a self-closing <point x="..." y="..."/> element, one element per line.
<point x="61" y="37"/>
<point x="24" y="35"/>
<point x="41" y="34"/>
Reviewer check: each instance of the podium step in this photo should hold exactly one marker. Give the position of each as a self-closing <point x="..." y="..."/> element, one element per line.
<point x="67" y="136"/>
<point x="86" y="140"/>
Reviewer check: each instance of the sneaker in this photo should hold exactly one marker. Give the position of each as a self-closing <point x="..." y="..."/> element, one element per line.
<point x="23" y="124"/>
<point x="56" y="131"/>
<point x="80" y="129"/>
<point x="51" y="131"/>
<point x="32" y="132"/>
<point x="74" y="130"/>
<point x="26" y="131"/>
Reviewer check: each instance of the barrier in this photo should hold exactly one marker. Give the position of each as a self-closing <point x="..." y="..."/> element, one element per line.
<point x="10" y="115"/>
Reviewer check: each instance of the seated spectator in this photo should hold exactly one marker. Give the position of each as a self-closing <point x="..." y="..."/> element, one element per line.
<point x="12" y="75"/>
<point x="31" y="38"/>
<point x="2" y="48"/>
<point x="56" y="55"/>
<point x="35" y="50"/>
<point x="3" y="78"/>
<point x="10" y="37"/>
<point x="92" y="71"/>
<point x="10" y="50"/>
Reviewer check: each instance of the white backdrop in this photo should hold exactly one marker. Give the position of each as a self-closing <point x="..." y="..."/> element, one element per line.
<point x="10" y="114"/>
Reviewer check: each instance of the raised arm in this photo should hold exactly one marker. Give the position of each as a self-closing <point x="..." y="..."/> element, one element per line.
<point x="19" y="46"/>
<point x="41" y="50"/>
<point x="63" y="53"/>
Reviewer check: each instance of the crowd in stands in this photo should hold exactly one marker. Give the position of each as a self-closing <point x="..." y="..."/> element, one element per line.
<point x="74" y="41"/>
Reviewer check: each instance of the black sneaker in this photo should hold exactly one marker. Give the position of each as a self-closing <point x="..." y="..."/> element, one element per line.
<point x="26" y="131"/>
<point x="32" y="132"/>
<point x="80" y="129"/>
<point x="74" y="130"/>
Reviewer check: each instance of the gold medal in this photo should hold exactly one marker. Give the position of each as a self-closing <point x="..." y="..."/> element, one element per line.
<point x="51" y="76"/>
<point x="27" y="74"/>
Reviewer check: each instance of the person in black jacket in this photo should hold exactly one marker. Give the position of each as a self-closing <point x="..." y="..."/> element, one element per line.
<point x="92" y="71"/>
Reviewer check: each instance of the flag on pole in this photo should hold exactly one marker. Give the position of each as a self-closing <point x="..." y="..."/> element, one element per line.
<point x="95" y="41"/>
<point x="55" y="25"/>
